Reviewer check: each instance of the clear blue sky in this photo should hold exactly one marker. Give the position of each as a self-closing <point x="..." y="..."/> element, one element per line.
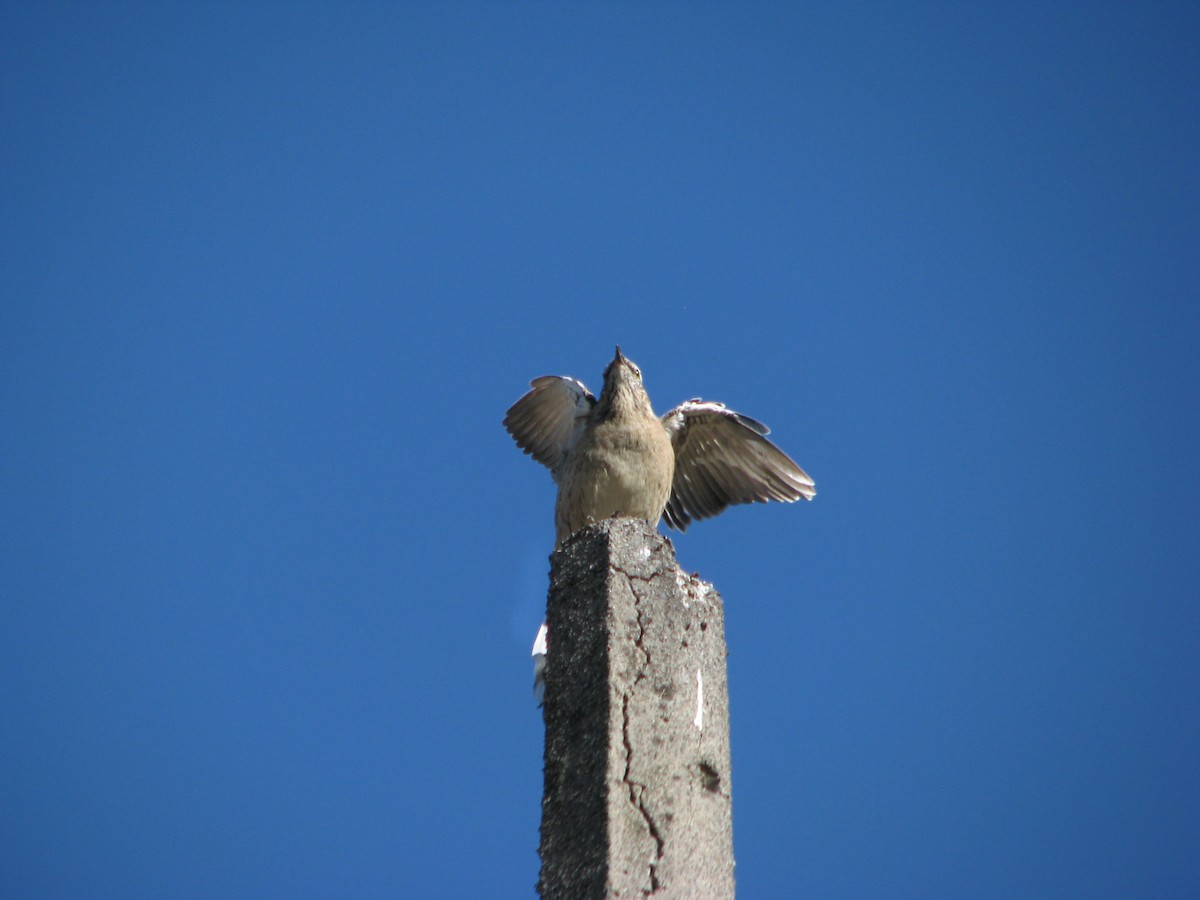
<point x="270" y="566"/>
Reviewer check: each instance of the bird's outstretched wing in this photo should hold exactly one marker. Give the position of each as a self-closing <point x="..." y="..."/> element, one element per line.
<point x="547" y="421"/>
<point x="723" y="458"/>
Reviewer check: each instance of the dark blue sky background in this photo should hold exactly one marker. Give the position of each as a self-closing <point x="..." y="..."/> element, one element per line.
<point x="270" y="566"/>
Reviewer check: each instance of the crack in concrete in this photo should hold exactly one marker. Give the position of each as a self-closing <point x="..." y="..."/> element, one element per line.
<point x="637" y="790"/>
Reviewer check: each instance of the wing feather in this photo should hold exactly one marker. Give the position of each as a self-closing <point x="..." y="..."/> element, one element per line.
<point x="548" y="420"/>
<point x="724" y="458"/>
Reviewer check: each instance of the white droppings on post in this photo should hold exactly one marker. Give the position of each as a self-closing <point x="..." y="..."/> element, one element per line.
<point x="699" y="720"/>
<point x="683" y="583"/>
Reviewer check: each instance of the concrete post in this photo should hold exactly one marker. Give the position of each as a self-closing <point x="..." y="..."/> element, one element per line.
<point x="637" y="775"/>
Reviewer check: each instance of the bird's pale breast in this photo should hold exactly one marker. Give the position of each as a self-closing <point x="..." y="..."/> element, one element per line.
<point x="618" y="469"/>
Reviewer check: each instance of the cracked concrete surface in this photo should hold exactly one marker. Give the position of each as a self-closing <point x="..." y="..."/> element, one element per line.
<point x="638" y="791"/>
<point x="637" y="798"/>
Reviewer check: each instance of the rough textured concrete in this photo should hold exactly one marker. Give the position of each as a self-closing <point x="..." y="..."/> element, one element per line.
<point x="637" y="775"/>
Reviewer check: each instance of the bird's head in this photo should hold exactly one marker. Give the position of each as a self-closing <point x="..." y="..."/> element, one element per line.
<point x="623" y="389"/>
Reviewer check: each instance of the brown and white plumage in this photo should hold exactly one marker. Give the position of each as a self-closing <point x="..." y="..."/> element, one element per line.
<point x="614" y="456"/>
<point x="723" y="458"/>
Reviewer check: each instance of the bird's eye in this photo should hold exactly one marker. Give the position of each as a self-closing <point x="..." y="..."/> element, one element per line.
<point x="637" y="372"/>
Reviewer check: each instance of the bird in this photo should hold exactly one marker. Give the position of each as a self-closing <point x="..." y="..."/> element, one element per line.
<point x="613" y="456"/>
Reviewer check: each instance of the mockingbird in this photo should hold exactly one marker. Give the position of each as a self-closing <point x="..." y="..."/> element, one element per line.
<point x="615" y="457"/>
